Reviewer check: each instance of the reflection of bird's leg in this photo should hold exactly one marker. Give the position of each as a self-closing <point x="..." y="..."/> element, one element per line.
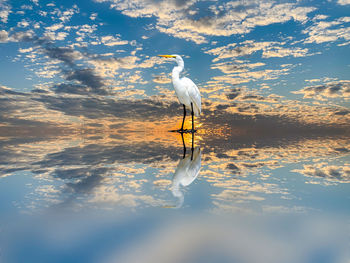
<point x="184" y="145"/>
<point x="183" y="120"/>
<point x="192" y="147"/>
<point x="193" y="130"/>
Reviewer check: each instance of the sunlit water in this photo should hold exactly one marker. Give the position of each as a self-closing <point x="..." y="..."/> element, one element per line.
<point x="103" y="195"/>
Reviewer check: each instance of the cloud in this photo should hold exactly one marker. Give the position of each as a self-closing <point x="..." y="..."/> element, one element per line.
<point x="343" y="2"/>
<point x="249" y="47"/>
<point x="93" y="16"/>
<point x="24" y="36"/>
<point x="55" y="36"/>
<point x="96" y="108"/>
<point x="162" y="79"/>
<point x="332" y="173"/>
<point x="65" y="15"/>
<point x="51" y="34"/>
<point x="338" y="89"/>
<point x="285" y="52"/>
<point x="328" y="31"/>
<point x="23" y="23"/>
<point x="54" y="27"/>
<point x="88" y="78"/>
<point x="4" y="37"/>
<point x="66" y="55"/>
<point x="194" y="22"/>
<point x="85" y="76"/>
<point x="235" y="66"/>
<point x="113" y="41"/>
<point x="72" y="89"/>
<point x="5" y="11"/>
<point x="108" y="66"/>
<point x="243" y="76"/>
<point x="81" y="68"/>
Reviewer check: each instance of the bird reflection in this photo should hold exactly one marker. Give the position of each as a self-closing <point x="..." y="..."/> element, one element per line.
<point x="186" y="172"/>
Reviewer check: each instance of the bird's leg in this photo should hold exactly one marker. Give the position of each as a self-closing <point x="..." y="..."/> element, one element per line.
<point x="184" y="145"/>
<point x="183" y="120"/>
<point x="193" y="130"/>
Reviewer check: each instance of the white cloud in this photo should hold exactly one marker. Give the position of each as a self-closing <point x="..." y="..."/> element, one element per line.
<point x="285" y="52"/>
<point x="332" y="173"/>
<point x="67" y="14"/>
<point x="161" y="79"/>
<point x="248" y="47"/>
<point x="4" y="36"/>
<point x="22" y="35"/>
<point x="328" y="31"/>
<point x="247" y="76"/>
<point x="344" y="2"/>
<point x="93" y="16"/>
<point x="23" y="24"/>
<point x="54" y="27"/>
<point x="113" y="41"/>
<point x="320" y="17"/>
<point x="236" y="66"/>
<point x="55" y="35"/>
<point x="107" y="67"/>
<point x="51" y="34"/>
<point x="177" y="17"/>
<point x="25" y="50"/>
<point x="5" y="11"/>
<point x="336" y="89"/>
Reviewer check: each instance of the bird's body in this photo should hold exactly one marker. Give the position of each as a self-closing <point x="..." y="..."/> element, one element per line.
<point x="187" y="92"/>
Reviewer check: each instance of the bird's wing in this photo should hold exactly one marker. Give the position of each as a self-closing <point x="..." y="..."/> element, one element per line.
<point x="194" y="94"/>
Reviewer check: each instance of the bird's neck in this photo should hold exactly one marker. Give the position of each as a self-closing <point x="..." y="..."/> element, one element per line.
<point x="176" y="71"/>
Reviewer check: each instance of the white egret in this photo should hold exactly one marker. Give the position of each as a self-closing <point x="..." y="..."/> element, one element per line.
<point x="187" y="92"/>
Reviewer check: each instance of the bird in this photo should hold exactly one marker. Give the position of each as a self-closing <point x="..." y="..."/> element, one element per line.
<point x="187" y="92"/>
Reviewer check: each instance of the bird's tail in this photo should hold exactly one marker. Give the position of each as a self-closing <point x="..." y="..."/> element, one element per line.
<point x="196" y="110"/>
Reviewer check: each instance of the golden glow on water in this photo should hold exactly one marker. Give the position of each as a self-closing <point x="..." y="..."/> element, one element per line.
<point x="141" y="131"/>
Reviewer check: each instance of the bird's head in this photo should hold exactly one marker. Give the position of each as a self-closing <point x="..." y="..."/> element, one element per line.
<point x="174" y="57"/>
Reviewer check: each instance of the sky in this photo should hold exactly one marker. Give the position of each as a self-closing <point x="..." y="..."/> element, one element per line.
<point x="265" y="53"/>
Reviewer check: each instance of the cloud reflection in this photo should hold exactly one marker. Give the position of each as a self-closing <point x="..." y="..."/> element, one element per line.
<point x="119" y="166"/>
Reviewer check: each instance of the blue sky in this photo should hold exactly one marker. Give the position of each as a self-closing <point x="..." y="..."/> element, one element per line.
<point x="277" y="44"/>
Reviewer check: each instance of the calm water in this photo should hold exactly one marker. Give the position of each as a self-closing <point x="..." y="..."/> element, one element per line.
<point x="103" y="195"/>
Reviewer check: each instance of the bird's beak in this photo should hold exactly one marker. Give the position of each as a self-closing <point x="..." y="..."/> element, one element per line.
<point x="167" y="56"/>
